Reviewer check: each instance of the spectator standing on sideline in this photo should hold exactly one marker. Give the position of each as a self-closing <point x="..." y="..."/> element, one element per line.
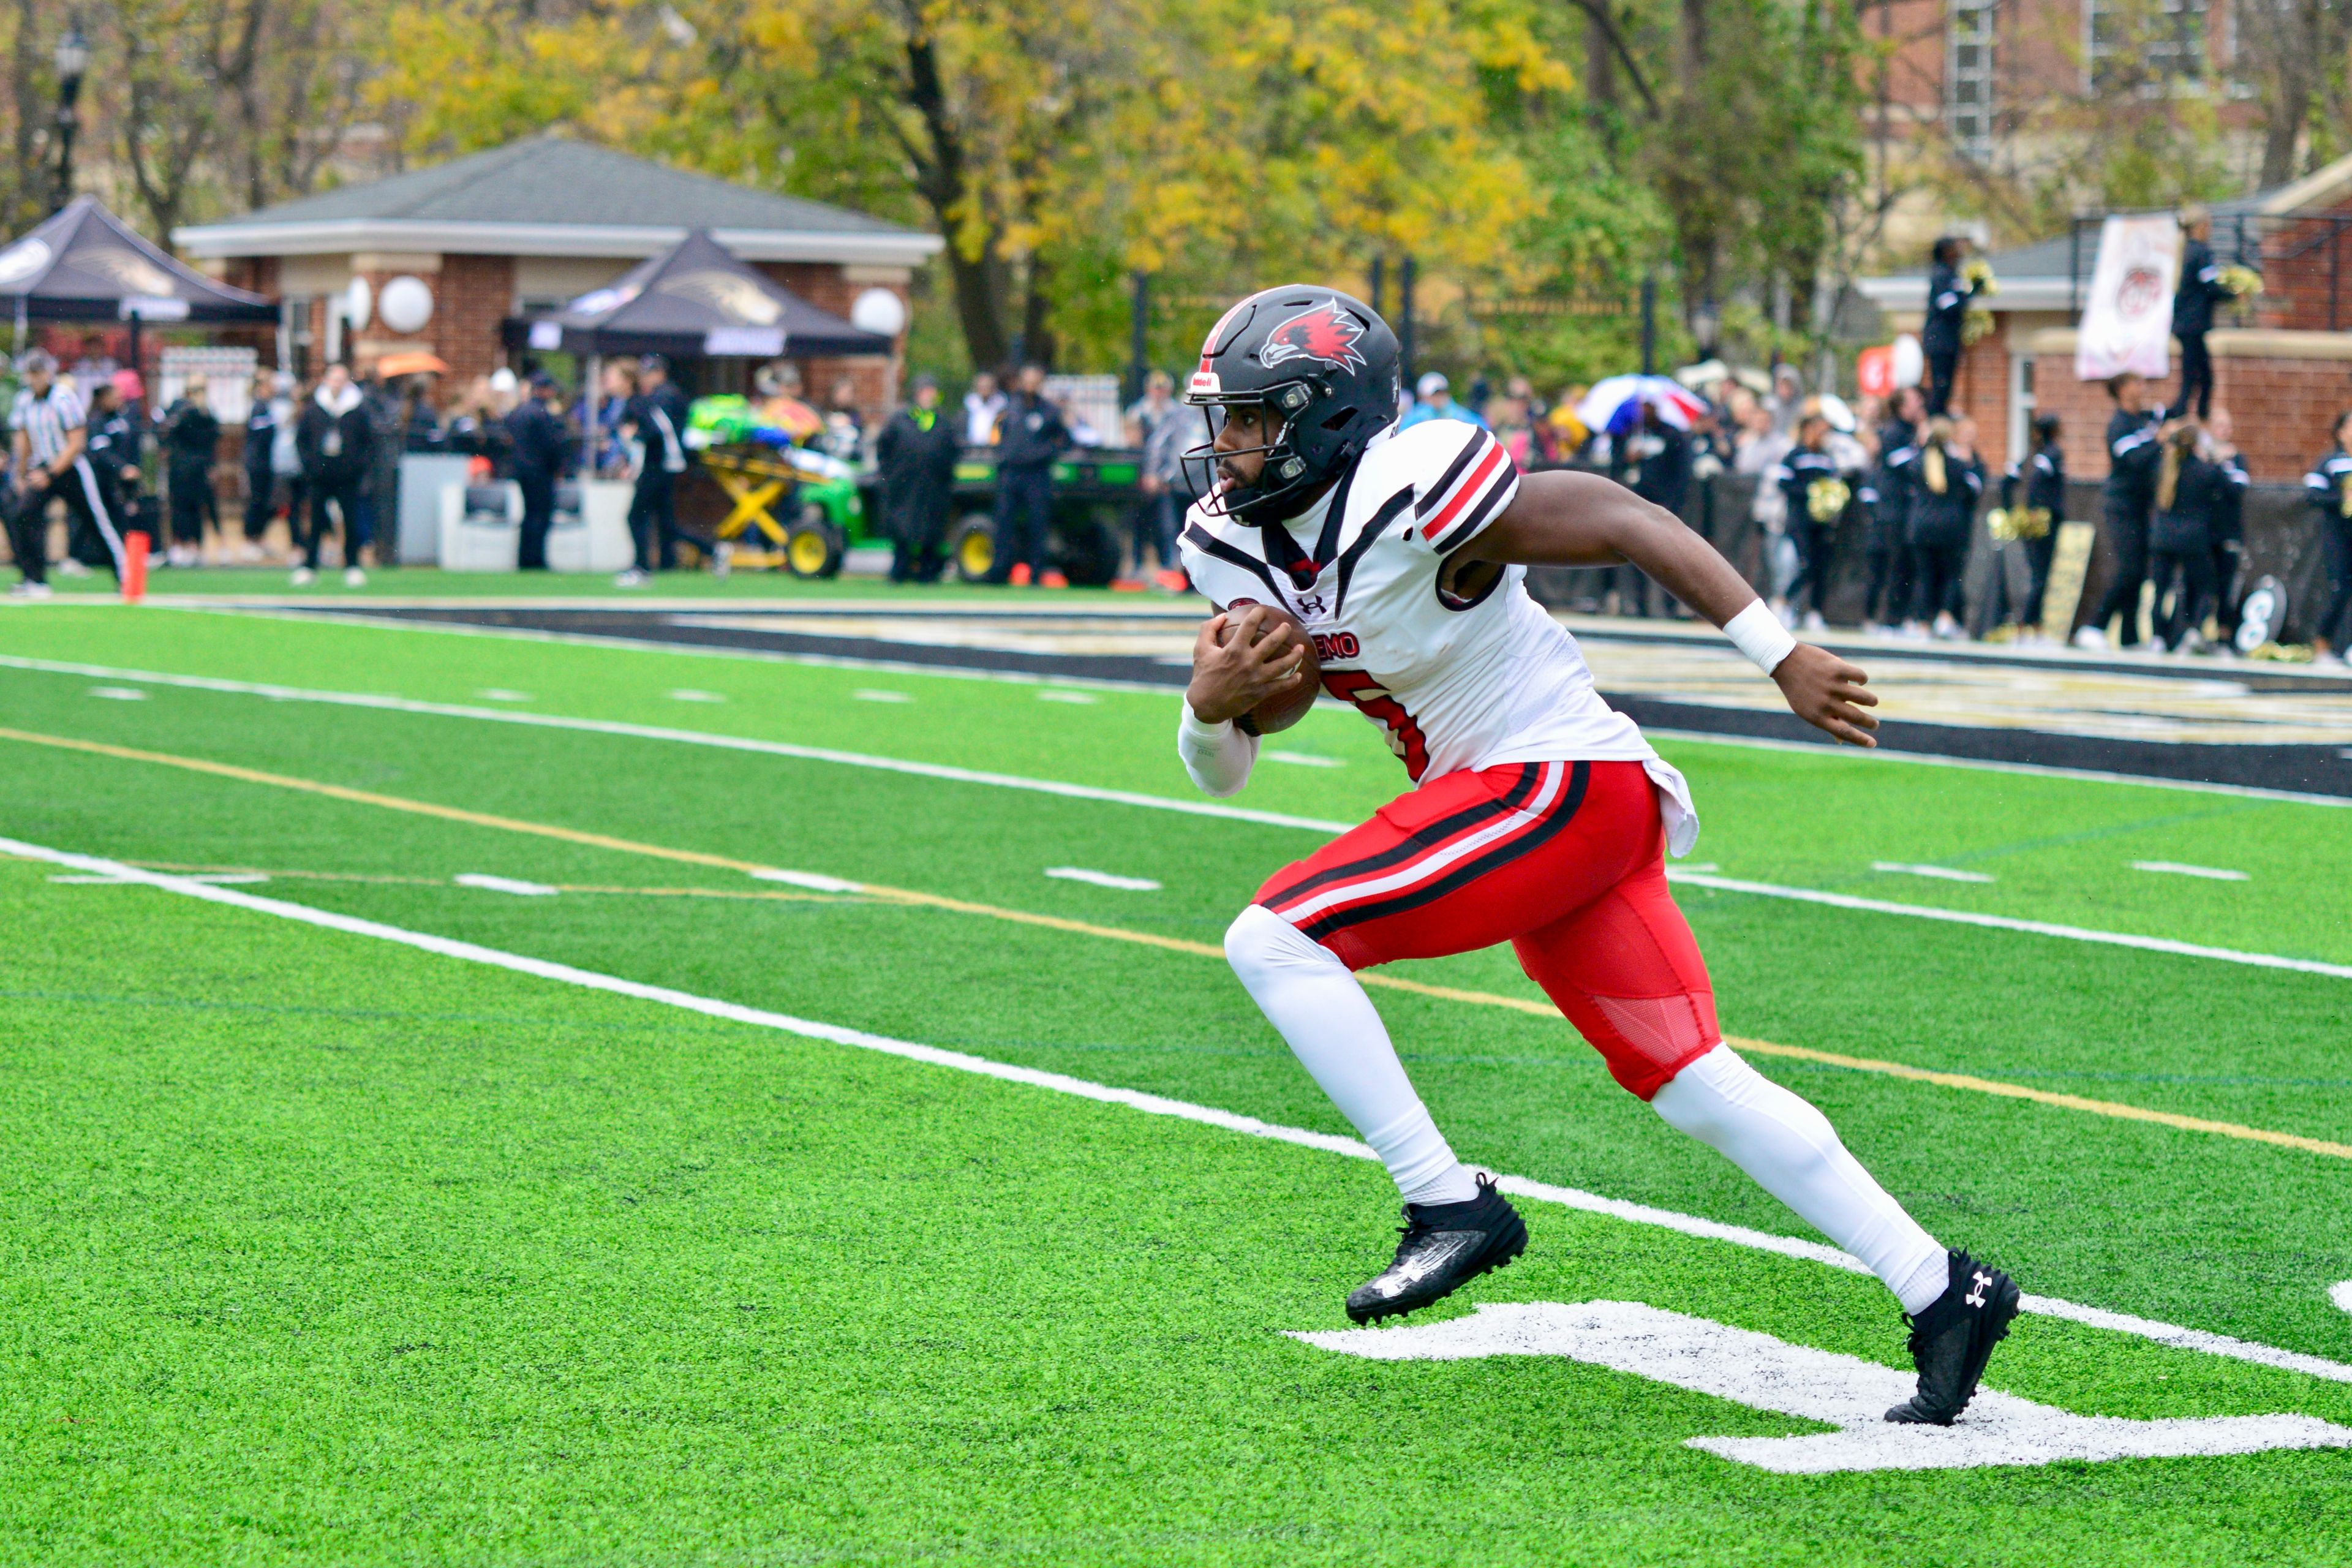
<point x="1815" y="495"/>
<point x="1166" y="491"/>
<point x="2199" y="289"/>
<point x="916" y="456"/>
<point x="270" y="412"/>
<point x="655" y="418"/>
<point x="1786" y="400"/>
<point x="1948" y="308"/>
<point x="191" y="443"/>
<point x="616" y="391"/>
<point x="2229" y="522"/>
<point x="1434" y="400"/>
<point x="2181" y="539"/>
<point x="49" y="435"/>
<point x="2042" y="472"/>
<point x="1890" y="511"/>
<point x="117" y="455"/>
<point x="1944" y="490"/>
<point x="1655" y="463"/>
<point x="2329" y="485"/>
<point x="337" y="438"/>
<point x="1144" y="417"/>
<point x="2129" y="495"/>
<point x="534" y="435"/>
<point x="983" y="406"/>
<point x="844" y="427"/>
<point x="1029" y="436"/>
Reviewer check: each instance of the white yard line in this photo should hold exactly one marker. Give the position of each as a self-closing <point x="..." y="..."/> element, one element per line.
<point x="1025" y="678"/>
<point x="1114" y="797"/>
<point x="2005" y="923"/>
<point x="1940" y="873"/>
<point x="119" y="693"/>
<point x="690" y="738"/>
<point x="2175" y="869"/>
<point x="1103" y="879"/>
<point x="492" y="884"/>
<point x="1135" y="1100"/>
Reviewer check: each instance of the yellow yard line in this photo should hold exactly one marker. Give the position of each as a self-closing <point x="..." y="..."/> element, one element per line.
<point x="1964" y="1081"/>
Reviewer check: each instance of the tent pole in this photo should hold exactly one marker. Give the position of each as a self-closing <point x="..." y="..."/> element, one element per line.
<point x="591" y="448"/>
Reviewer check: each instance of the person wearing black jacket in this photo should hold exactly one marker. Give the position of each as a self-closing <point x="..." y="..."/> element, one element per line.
<point x="1888" y="497"/>
<point x="916" y="455"/>
<point x="1947" y="307"/>
<point x="1029" y="436"/>
<point x="657" y="416"/>
<point x="1945" y="484"/>
<point x="2042" y="473"/>
<point x="2129" y="494"/>
<point x="115" y="452"/>
<point x="2329" y="485"/>
<point x="1816" y="496"/>
<point x="191" y="442"/>
<point x="2188" y="489"/>
<point x="534" y="435"/>
<point x="2194" y="295"/>
<point x="2229" y="522"/>
<point x="1654" y="464"/>
<point x="337" y="440"/>
<point x="260" y="472"/>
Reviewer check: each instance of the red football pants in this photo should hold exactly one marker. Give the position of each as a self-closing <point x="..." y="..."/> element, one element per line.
<point x="1563" y="859"/>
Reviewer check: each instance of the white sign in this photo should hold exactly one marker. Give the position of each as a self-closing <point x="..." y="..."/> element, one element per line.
<point x="1841" y="1390"/>
<point x="744" y="343"/>
<point x="2127" y="320"/>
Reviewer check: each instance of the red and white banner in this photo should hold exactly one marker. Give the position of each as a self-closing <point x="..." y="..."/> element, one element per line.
<point x="2128" y="319"/>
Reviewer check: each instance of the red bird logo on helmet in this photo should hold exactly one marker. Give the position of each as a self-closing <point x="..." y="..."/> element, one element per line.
<point x="1327" y="333"/>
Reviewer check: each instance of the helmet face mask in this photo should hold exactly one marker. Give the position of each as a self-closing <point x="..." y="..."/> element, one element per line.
<point x="1323" y="371"/>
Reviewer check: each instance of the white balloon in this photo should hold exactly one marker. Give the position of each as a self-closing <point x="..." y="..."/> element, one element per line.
<point x="1910" y="365"/>
<point x="356" y="301"/>
<point x="879" y="311"/>
<point x="405" y="304"/>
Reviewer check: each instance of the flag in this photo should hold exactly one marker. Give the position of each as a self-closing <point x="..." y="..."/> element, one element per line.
<point x="2127" y="320"/>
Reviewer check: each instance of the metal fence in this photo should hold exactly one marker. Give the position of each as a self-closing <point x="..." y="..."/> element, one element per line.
<point x="2301" y="258"/>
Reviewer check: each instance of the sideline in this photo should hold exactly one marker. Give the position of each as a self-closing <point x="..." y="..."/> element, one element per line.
<point x="2162" y="1333"/>
<point x="915" y="897"/>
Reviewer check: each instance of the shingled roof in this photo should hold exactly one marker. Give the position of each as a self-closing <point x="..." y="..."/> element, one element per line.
<point x="551" y="195"/>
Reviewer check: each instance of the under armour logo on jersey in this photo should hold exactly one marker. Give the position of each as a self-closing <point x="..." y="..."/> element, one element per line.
<point x="1326" y="333"/>
<point x="1976" y="1297"/>
<point x="1313" y="604"/>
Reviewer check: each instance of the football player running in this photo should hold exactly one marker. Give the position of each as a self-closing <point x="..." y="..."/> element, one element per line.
<point x="1539" y="815"/>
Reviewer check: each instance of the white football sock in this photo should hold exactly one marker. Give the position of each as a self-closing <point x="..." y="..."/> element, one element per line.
<point x="1793" y="1153"/>
<point x="1310" y="996"/>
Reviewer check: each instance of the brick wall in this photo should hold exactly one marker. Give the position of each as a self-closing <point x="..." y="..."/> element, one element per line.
<point x="2282" y="409"/>
<point x="471" y="295"/>
<point x="1981" y="392"/>
<point x="875" y="381"/>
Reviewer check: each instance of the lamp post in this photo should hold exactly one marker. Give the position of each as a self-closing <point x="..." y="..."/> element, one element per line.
<point x="72" y="59"/>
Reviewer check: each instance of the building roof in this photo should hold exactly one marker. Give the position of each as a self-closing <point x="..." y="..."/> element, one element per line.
<point x="2042" y="275"/>
<point x="85" y="265"/>
<point x="551" y="195"/>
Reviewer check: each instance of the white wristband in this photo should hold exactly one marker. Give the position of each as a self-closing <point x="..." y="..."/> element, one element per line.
<point x="1757" y="632"/>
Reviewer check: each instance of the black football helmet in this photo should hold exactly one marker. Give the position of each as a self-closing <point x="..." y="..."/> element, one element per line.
<point x="1323" y="363"/>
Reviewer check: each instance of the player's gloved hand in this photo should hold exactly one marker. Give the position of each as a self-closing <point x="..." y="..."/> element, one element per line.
<point x="1828" y="693"/>
<point x="1232" y="674"/>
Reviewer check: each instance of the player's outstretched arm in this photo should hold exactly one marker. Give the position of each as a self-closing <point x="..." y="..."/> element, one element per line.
<point x="1585" y="520"/>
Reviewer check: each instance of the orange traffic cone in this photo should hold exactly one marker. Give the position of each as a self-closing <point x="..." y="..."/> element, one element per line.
<point x="134" y="566"/>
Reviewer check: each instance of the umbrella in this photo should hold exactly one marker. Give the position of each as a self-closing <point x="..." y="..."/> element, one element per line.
<point x="1620" y="394"/>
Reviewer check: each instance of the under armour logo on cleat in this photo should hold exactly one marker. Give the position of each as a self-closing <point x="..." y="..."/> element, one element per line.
<point x="1976" y="1297"/>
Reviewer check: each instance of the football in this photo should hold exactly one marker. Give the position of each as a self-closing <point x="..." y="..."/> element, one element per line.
<point x="1286" y="708"/>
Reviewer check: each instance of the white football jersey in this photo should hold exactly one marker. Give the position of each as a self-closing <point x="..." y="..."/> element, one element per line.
<point x="1453" y="683"/>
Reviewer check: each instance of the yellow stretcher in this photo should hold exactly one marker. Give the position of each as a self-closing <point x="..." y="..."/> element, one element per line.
<point x="758" y="484"/>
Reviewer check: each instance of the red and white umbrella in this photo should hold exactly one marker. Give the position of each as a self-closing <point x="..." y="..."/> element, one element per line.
<point x="1677" y="406"/>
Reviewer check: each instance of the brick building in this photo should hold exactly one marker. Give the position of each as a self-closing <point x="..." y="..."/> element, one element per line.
<point x="525" y="228"/>
<point x="1970" y="93"/>
<point x="2283" y="362"/>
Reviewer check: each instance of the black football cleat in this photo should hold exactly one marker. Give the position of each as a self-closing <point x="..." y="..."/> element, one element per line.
<point x="1952" y="1339"/>
<point x="1445" y="1247"/>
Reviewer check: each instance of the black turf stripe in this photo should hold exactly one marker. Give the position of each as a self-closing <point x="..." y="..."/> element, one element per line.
<point x="1559" y="817"/>
<point x="1422" y="840"/>
<point x="1429" y="498"/>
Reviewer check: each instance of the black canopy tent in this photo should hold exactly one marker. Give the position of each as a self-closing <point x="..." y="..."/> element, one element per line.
<point x="86" y="265"/>
<point x="695" y="300"/>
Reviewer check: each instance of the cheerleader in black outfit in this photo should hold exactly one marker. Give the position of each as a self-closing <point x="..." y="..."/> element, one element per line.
<point x="2329" y="485"/>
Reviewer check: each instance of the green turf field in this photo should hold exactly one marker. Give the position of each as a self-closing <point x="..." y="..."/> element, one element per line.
<point x="322" y="1248"/>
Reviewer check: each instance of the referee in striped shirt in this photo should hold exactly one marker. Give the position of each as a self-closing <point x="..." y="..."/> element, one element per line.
<point x="48" y="432"/>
